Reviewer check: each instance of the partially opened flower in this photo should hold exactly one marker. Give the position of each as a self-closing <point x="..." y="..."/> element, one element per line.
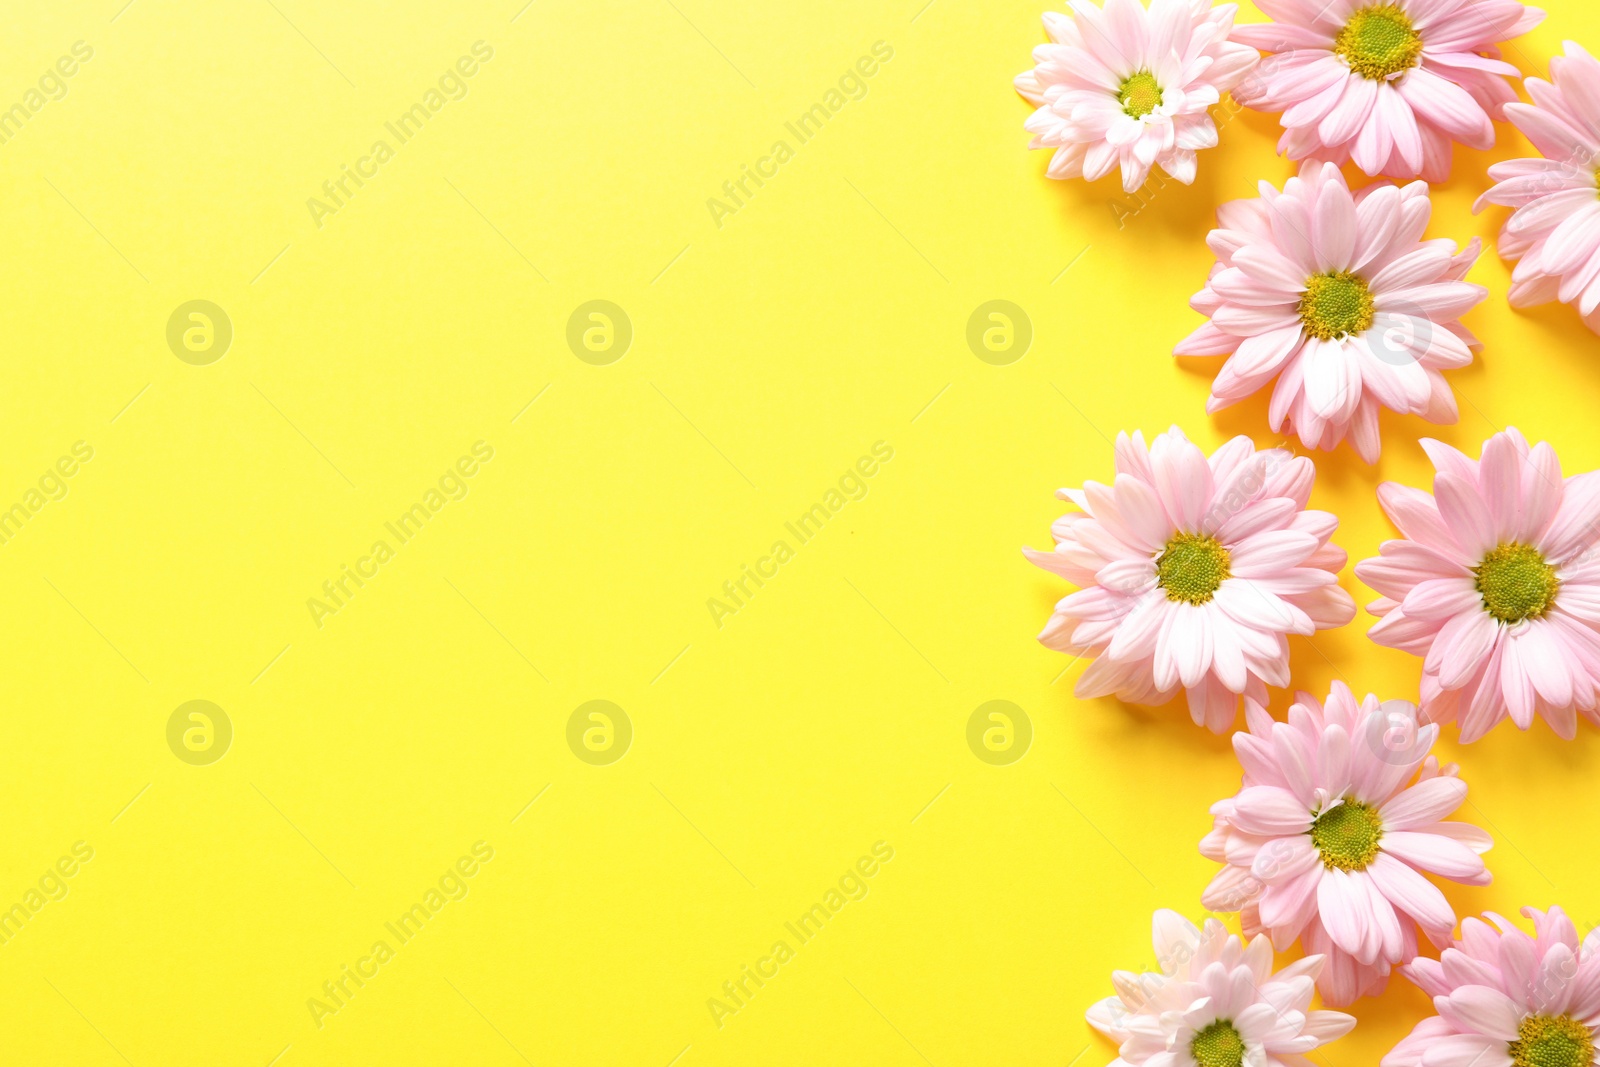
<point x="1508" y="1000"/>
<point x="1125" y="86"/>
<point x="1194" y="573"/>
<point x="1341" y="812"/>
<point x="1555" y="230"/>
<point x="1337" y="297"/>
<point x="1497" y="585"/>
<point x="1387" y="83"/>
<point x="1215" y="1002"/>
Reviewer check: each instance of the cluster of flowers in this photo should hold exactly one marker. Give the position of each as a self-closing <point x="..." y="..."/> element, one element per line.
<point x="1504" y="999"/>
<point x="1194" y="570"/>
<point x="1331" y="293"/>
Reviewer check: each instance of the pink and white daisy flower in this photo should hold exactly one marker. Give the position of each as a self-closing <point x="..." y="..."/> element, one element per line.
<point x="1555" y="230"/>
<point x="1508" y="1000"/>
<point x="1340" y="812"/>
<point x="1194" y="573"/>
<point x="1497" y="584"/>
<point x="1335" y="295"/>
<point x="1130" y="86"/>
<point x="1387" y="83"/>
<point x="1215" y="1002"/>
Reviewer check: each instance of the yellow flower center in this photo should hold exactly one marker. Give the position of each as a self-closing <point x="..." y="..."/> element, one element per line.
<point x="1552" y="1041"/>
<point x="1139" y="94"/>
<point x="1516" y="582"/>
<point x="1379" y="42"/>
<point x="1347" y="836"/>
<point x="1336" y="304"/>
<point x="1192" y="567"/>
<point x="1218" y="1045"/>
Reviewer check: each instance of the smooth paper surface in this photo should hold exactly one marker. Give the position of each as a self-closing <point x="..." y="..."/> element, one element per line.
<point x="398" y="381"/>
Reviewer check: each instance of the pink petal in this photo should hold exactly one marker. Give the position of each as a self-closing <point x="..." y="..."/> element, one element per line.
<point x="1426" y="802"/>
<point x="1182" y="480"/>
<point x="1334" y="228"/>
<point x="1553" y="983"/>
<point x="1288" y="906"/>
<point x="1440" y="855"/>
<point x="1352" y="111"/>
<point x="1577" y="522"/>
<point x="1545" y="657"/>
<point x="1412" y="893"/>
<point x="1500" y="480"/>
<point x="1461" y="647"/>
<point x="1541" y="492"/>
<point x="1260" y="609"/>
<point x="1440" y="301"/>
<point x="1271" y="268"/>
<point x="1464" y="513"/>
<point x="1516" y="685"/>
<point x="1415" y="512"/>
<point x="1466" y="1050"/>
<point x="1482" y="1010"/>
<point x="1442" y="598"/>
<point x="1376" y="216"/>
<point x="1446" y="105"/>
<point x="1270" y="812"/>
<point x="1174" y="938"/>
<point x="1554" y="138"/>
<point x="1269" y="553"/>
<point x="1341" y="909"/>
<point x="1584" y="994"/>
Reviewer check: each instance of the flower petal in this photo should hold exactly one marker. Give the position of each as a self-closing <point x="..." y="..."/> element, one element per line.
<point x="1426" y="802"/>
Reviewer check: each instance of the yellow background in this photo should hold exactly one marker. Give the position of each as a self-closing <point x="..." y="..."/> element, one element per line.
<point x="769" y="353"/>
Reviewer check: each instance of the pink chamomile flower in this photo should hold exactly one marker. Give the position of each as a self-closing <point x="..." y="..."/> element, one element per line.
<point x="1130" y="86"/>
<point x="1194" y="571"/>
<point x="1389" y="84"/>
<point x="1505" y="999"/>
<point x="1497" y="585"/>
<point x="1340" y="812"/>
<point x="1215" y="1002"/>
<point x="1336" y="296"/>
<point x="1554" y="232"/>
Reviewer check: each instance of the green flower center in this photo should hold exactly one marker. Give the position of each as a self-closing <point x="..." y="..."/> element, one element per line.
<point x="1139" y="95"/>
<point x="1552" y="1041"/>
<point x="1218" y="1045"/>
<point x="1336" y="304"/>
<point x="1378" y="42"/>
<point x="1192" y="567"/>
<point x="1348" y="835"/>
<point x="1516" y="582"/>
